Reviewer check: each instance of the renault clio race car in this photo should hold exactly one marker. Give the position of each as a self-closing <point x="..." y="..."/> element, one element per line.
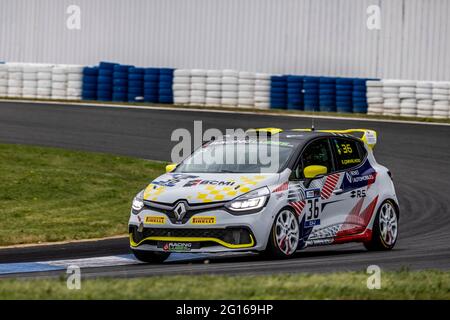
<point x="326" y="188"/>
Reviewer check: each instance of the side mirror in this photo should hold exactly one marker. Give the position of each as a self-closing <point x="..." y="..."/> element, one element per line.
<point x="311" y="172"/>
<point x="170" y="167"/>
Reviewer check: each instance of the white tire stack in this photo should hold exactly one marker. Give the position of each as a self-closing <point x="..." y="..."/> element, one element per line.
<point x="3" y="80"/>
<point x="213" y="88"/>
<point x="59" y="82"/>
<point x="375" y="98"/>
<point x="74" y="82"/>
<point x="29" y="89"/>
<point x="15" y="80"/>
<point x="44" y="81"/>
<point x="230" y="88"/>
<point x="262" y="91"/>
<point x="391" y="92"/>
<point x="407" y="95"/>
<point x="198" y="87"/>
<point x="246" y="89"/>
<point x="440" y="95"/>
<point x="424" y="99"/>
<point x="181" y="86"/>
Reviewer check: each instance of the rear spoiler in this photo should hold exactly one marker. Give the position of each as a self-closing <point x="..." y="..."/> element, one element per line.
<point x="368" y="136"/>
<point x="267" y="131"/>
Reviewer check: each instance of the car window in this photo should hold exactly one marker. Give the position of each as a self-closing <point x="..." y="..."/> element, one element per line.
<point x="348" y="152"/>
<point x="316" y="153"/>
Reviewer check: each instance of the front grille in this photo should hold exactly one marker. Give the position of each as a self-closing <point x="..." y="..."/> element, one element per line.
<point x="234" y="235"/>
<point x="191" y="209"/>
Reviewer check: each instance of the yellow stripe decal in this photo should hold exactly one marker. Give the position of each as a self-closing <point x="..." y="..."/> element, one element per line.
<point x="194" y="239"/>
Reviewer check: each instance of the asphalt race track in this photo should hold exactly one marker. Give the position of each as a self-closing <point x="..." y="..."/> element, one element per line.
<point x="418" y="156"/>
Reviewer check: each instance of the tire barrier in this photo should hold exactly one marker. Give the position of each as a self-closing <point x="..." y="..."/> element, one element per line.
<point x="262" y="91"/>
<point x="105" y="81"/>
<point x="246" y="89"/>
<point x="89" y="87"/>
<point x="295" y="92"/>
<point x="327" y="94"/>
<point x="181" y="87"/>
<point x="359" y="96"/>
<point x="214" y="88"/>
<point x="374" y="94"/>
<point x="111" y="81"/>
<point x="441" y="97"/>
<point x="120" y="82"/>
<point x="165" y="93"/>
<point x="151" y="85"/>
<point x="344" y="95"/>
<point x="197" y="87"/>
<point x="3" y="80"/>
<point x="135" y="84"/>
<point x="278" y="92"/>
<point x="230" y="88"/>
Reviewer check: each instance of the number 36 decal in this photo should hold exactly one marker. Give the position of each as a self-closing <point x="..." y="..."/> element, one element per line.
<point x="313" y="208"/>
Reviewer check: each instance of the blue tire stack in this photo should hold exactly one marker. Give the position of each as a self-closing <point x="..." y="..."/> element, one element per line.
<point x="327" y="94"/>
<point x="278" y="92"/>
<point x="295" y="92"/>
<point x="344" y="93"/>
<point x="105" y="81"/>
<point x="311" y="93"/>
<point x="89" y="87"/>
<point x="151" y="85"/>
<point x="359" y="96"/>
<point x="135" y="84"/>
<point x="120" y="82"/>
<point x="165" y="92"/>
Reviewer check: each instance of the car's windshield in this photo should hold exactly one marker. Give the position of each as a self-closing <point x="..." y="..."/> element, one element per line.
<point x="239" y="156"/>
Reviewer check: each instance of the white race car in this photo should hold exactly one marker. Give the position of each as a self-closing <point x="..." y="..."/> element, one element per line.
<point x="326" y="188"/>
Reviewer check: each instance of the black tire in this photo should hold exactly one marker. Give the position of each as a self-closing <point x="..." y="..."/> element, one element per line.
<point x="378" y="243"/>
<point x="273" y="249"/>
<point x="150" y="256"/>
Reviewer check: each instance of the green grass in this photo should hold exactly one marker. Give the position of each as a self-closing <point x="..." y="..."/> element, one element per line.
<point x="351" y="285"/>
<point x="49" y="194"/>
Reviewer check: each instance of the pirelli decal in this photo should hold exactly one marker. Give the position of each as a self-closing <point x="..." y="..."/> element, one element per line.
<point x="155" y="219"/>
<point x="203" y="220"/>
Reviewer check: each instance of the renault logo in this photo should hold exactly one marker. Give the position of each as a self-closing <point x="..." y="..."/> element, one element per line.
<point x="180" y="211"/>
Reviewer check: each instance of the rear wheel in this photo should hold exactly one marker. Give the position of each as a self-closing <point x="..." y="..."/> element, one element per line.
<point x="385" y="228"/>
<point x="284" y="236"/>
<point x="150" y="256"/>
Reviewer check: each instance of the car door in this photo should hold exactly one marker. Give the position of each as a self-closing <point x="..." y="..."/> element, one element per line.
<point x="317" y="208"/>
<point x="356" y="175"/>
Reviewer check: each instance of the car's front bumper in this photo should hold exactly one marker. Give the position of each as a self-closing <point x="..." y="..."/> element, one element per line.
<point x="150" y="230"/>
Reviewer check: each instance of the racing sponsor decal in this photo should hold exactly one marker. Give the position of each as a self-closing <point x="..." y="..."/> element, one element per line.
<point x="155" y="220"/>
<point x="364" y="176"/>
<point x="177" y="246"/>
<point x="203" y="220"/>
<point x="329" y="186"/>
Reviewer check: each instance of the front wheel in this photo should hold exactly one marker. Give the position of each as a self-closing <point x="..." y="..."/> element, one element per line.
<point x="284" y="236"/>
<point x="385" y="228"/>
<point x="150" y="256"/>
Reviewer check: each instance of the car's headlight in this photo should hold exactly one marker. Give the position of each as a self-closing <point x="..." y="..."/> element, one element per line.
<point x="250" y="201"/>
<point x="138" y="202"/>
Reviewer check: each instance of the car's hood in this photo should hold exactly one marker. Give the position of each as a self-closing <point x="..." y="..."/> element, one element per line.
<point x="204" y="188"/>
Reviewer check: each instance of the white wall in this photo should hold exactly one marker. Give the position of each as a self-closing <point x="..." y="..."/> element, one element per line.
<point x="322" y="37"/>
